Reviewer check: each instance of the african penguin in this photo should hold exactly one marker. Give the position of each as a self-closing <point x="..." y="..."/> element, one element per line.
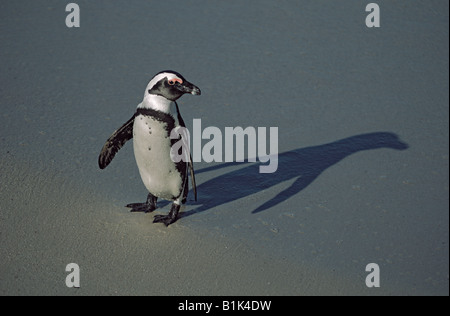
<point x="150" y="127"/>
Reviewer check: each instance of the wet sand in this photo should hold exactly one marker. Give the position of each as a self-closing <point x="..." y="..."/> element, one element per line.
<point x="363" y="171"/>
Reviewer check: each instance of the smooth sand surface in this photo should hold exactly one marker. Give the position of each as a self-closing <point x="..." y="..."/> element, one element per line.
<point x="124" y="254"/>
<point x="362" y="117"/>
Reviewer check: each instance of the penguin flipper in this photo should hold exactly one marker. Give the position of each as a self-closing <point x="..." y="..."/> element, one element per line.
<point x="115" y="142"/>
<point x="191" y="169"/>
<point x="191" y="165"/>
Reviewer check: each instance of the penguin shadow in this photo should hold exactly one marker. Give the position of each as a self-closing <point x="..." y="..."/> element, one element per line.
<point x="303" y="164"/>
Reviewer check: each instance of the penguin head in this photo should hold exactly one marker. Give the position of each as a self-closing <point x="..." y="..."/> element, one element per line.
<point x="170" y="85"/>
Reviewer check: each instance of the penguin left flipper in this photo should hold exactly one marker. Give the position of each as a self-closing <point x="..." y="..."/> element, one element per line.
<point x="194" y="186"/>
<point x="115" y="142"/>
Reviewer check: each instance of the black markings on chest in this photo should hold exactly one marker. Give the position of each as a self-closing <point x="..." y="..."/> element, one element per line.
<point x="167" y="121"/>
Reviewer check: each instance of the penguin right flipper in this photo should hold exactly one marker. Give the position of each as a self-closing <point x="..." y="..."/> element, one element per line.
<point x="115" y="142"/>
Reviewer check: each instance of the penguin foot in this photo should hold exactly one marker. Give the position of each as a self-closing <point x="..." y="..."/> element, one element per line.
<point x="146" y="207"/>
<point x="141" y="207"/>
<point x="170" y="218"/>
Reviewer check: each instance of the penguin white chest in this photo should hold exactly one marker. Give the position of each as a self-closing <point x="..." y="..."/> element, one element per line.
<point x="152" y="145"/>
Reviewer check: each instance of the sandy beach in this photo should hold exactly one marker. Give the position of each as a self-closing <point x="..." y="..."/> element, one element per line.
<point x="362" y="118"/>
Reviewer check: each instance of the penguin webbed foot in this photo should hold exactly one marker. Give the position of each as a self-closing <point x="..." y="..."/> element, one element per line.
<point x="146" y="207"/>
<point x="169" y="218"/>
<point x="141" y="207"/>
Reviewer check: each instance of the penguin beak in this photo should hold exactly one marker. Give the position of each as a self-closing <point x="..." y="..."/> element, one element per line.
<point x="187" y="87"/>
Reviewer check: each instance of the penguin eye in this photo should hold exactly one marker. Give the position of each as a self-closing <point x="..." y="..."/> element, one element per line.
<point x="174" y="81"/>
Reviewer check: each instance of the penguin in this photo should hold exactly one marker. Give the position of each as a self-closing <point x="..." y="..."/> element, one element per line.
<point x="153" y="126"/>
